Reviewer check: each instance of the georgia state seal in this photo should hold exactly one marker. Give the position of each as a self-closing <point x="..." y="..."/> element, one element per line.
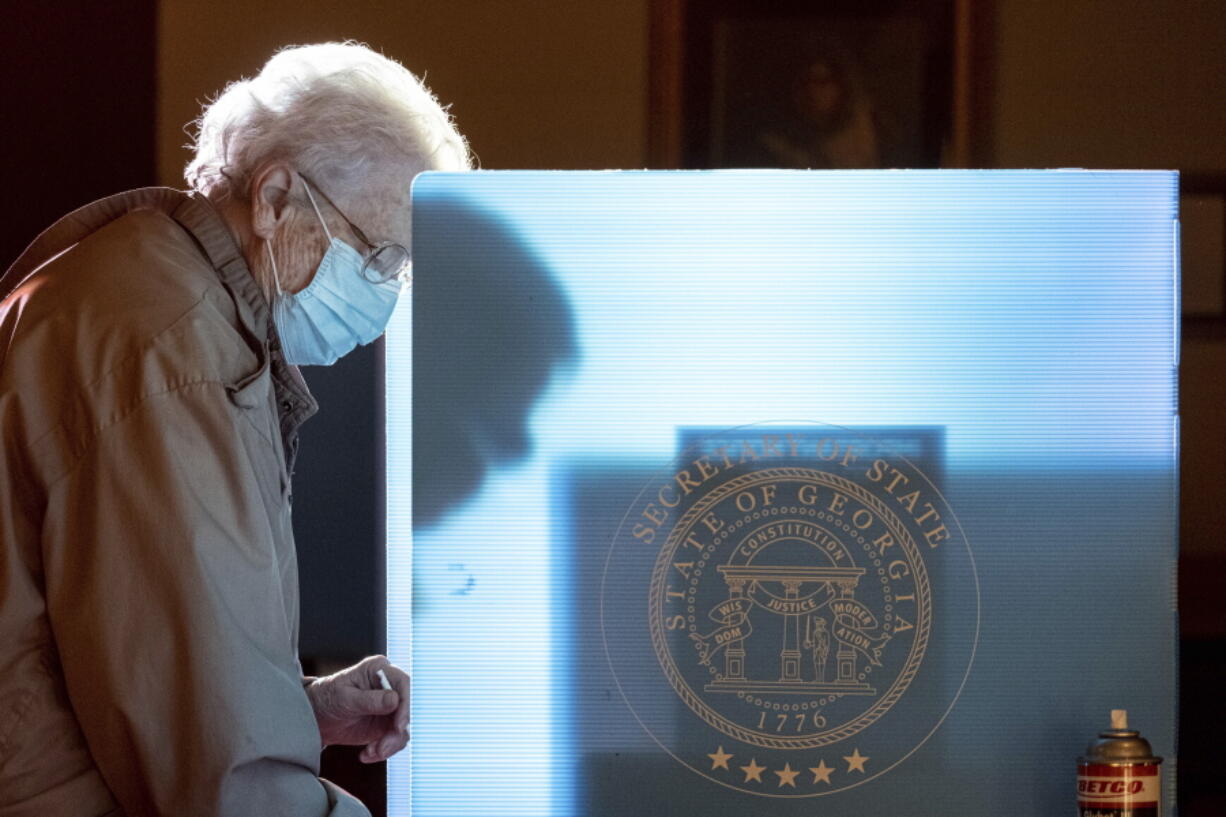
<point x="812" y="606"/>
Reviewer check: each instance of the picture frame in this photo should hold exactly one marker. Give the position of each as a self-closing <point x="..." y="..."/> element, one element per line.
<point x="820" y="84"/>
<point x="1202" y="217"/>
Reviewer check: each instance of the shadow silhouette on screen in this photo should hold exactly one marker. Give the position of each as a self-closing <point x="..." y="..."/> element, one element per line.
<point x="490" y="328"/>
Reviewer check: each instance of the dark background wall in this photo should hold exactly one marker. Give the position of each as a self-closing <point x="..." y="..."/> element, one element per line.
<point x="96" y="96"/>
<point x="79" y="98"/>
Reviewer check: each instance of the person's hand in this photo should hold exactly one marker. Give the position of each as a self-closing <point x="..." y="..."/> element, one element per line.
<point x="353" y="709"/>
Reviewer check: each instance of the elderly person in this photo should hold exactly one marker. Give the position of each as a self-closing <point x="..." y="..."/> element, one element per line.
<point x="149" y="410"/>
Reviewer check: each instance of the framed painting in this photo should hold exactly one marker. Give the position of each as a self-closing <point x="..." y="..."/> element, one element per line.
<point x="817" y="85"/>
<point x="1202" y="217"/>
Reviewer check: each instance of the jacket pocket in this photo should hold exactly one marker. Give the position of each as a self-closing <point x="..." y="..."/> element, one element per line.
<point x="253" y="394"/>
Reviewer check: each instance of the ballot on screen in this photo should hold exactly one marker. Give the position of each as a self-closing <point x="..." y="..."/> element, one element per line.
<point x="794" y="493"/>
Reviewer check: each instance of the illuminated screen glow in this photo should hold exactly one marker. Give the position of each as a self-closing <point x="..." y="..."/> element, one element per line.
<point x="570" y="335"/>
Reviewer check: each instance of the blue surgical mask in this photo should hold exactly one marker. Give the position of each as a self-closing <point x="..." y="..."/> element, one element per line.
<point x="338" y="310"/>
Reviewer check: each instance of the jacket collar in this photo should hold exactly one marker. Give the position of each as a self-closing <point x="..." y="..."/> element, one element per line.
<point x="198" y="216"/>
<point x="201" y="219"/>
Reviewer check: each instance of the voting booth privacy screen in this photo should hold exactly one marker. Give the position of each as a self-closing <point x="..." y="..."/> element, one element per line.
<point x="795" y="493"/>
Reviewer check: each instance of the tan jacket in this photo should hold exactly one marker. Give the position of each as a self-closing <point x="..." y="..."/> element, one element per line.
<point x="148" y="581"/>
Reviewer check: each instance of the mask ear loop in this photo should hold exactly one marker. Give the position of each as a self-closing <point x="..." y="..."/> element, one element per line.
<point x="273" y="261"/>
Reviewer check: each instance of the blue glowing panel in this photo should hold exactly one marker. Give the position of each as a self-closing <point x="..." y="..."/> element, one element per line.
<point x="781" y="492"/>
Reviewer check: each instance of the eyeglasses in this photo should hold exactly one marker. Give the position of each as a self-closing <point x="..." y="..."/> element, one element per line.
<point x="384" y="261"/>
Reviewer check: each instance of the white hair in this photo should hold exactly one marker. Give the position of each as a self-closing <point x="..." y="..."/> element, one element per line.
<point x="333" y="110"/>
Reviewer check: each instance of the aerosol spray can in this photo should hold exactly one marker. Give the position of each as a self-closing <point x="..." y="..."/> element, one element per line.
<point x="1118" y="777"/>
